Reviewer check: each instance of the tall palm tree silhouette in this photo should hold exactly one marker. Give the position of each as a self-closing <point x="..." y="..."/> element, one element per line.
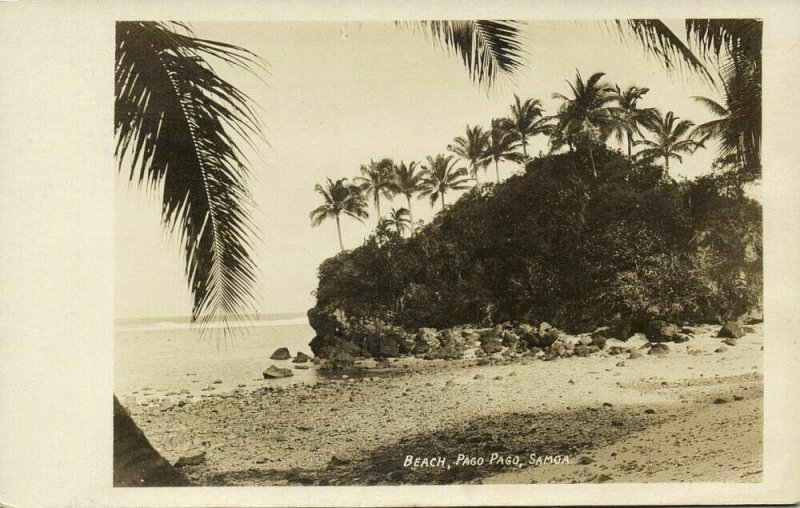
<point x="340" y="198"/>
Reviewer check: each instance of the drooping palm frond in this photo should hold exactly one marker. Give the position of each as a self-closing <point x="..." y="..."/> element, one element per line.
<point x="658" y="40"/>
<point x="488" y="48"/>
<point x="178" y="124"/>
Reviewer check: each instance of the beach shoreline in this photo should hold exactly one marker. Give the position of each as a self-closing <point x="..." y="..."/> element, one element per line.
<point x="653" y="418"/>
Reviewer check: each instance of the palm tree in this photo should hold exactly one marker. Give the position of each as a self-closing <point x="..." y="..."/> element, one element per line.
<point x="176" y="123"/>
<point x="736" y="46"/>
<point x="526" y="120"/>
<point x="672" y="138"/>
<point x="734" y="145"/>
<point x="471" y="148"/>
<point x="586" y="116"/>
<point x="407" y="181"/>
<point x="399" y="218"/>
<point x="442" y="176"/>
<point x="501" y="145"/>
<point x="628" y="114"/>
<point x="376" y="180"/>
<point x="340" y="198"/>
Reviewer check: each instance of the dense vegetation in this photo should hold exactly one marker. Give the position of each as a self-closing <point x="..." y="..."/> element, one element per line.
<point x="557" y="244"/>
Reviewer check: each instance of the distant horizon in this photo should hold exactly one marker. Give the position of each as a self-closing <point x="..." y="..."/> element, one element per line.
<point x="187" y="318"/>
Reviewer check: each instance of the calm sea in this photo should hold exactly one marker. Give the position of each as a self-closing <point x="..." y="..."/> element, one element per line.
<point x="153" y="357"/>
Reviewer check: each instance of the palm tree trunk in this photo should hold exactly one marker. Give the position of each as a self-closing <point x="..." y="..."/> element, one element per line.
<point x="410" y="213"/>
<point x="524" y="148"/>
<point x="628" y="137"/>
<point x="378" y="205"/>
<point x="475" y="172"/>
<point x="442" y="201"/>
<point x="339" y="231"/>
<point x="136" y="462"/>
<point x="666" y="168"/>
<point x="496" y="171"/>
<point x="591" y="156"/>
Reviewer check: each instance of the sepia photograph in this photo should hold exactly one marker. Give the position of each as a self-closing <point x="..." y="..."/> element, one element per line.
<point x="438" y="252"/>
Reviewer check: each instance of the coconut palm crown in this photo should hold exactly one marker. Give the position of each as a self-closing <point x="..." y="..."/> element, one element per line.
<point x="501" y="146"/>
<point x="672" y="138"/>
<point x="340" y="197"/>
<point x="586" y="116"/>
<point x="376" y="181"/>
<point x="471" y="148"/>
<point x="526" y="120"/>
<point x="441" y="176"/>
<point x="406" y="180"/>
<point x="629" y="116"/>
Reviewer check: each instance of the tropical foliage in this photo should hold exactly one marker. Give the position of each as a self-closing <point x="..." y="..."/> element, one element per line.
<point x="501" y="145"/>
<point x="407" y="181"/>
<point x="555" y="244"/>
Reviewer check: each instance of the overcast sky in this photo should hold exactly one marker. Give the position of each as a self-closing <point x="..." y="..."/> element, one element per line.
<point x="341" y="93"/>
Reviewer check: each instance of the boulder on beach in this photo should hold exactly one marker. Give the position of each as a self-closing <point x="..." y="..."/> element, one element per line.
<point x="660" y="331"/>
<point x="491" y="345"/>
<point x="301" y="358"/>
<point x="659" y="349"/>
<point x="192" y="457"/>
<point x="273" y="372"/>
<point x="730" y="330"/>
<point x="281" y="353"/>
<point x="427" y="340"/>
<point x="679" y="338"/>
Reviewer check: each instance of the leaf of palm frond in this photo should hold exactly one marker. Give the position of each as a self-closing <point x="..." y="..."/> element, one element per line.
<point x="174" y="119"/>
<point x="487" y="47"/>
<point x="658" y="40"/>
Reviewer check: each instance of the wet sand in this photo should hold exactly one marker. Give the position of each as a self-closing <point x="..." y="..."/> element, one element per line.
<point x="692" y="415"/>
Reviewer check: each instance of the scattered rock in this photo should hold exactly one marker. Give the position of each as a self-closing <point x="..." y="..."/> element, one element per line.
<point x="586" y="341"/>
<point x="585" y="460"/>
<point x="635" y="355"/>
<point x="491" y="346"/>
<point x="721" y="349"/>
<point x="217" y="381"/>
<point x="274" y="372"/>
<point x="748" y="329"/>
<point x="738" y="397"/>
<point x="478" y="376"/>
<point x="730" y="341"/>
<point x="608" y="404"/>
<point x="337" y="461"/>
<point x="721" y="401"/>
<point x="193" y="457"/>
<point x="679" y="338"/>
<point x="731" y="330"/>
<point x="602" y="478"/>
<point x="301" y="358"/>
<point x="281" y="353"/>
<point x="659" y="349"/>
<point x="649" y="411"/>
<point x="617" y="423"/>
<point x="301" y="366"/>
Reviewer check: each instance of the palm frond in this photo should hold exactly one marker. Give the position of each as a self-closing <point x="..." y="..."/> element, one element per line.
<point x="488" y="48"/>
<point x="658" y="40"/>
<point x="177" y="123"/>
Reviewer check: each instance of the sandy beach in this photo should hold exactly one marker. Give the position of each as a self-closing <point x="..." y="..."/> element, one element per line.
<point x="694" y="414"/>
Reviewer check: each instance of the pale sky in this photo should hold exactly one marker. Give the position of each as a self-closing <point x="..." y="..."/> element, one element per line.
<point x="341" y="93"/>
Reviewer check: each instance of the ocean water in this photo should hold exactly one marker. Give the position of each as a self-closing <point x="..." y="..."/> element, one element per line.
<point x="153" y="357"/>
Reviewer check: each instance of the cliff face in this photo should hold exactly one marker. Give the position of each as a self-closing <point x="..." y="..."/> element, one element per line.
<point x="555" y="244"/>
